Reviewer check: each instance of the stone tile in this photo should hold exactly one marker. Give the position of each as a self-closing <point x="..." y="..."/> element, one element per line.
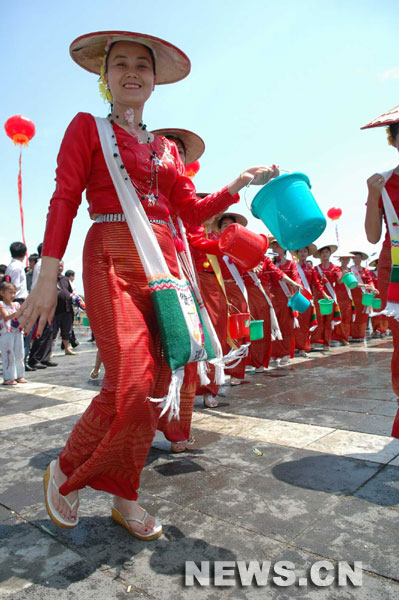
<point x="374" y="424"/>
<point x="79" y="582"/>
<point x="324" y="472"/>
<point x="43" y="436"/>
<point x="283" y="433"/>
<point x="364" y="446"/>
<point x="382" y="489"/>
<point x="30" y="402"/>
<point x="356" y="530"/>
<point x="28" y="556"/>
<point x="371" y="586"/>
<point x="387" y="409"/>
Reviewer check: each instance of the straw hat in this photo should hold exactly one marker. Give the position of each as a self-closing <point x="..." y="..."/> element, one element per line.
<point x="171" y="64"/>
<point x="333" y="248"/>
<point x="388" y="118"/>
<point x="343" y="254"/>
<point x="311" y="248"/>
<point x="193" y="144"/>
<point x="374" y="263"/>
<point x="363" y="254"/>
<point x="230" y="215"/>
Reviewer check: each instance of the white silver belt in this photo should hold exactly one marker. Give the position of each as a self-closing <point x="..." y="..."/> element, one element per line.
<point x="120" y="218"/>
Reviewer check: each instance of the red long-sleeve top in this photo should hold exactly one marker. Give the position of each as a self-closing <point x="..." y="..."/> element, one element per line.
<point x="288" y="268"/>
<point x="81" y="166"/>
<point x="201" y="246"/>
<point x="313" y="281"/>
<point x="269" y="268"/>
<point x="365" y="274"/>
<point x="332" y="273"/>
<point x="392" y="187"/>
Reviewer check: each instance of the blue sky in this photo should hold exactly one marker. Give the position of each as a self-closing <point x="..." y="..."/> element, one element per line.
<point x="289" y="83"/>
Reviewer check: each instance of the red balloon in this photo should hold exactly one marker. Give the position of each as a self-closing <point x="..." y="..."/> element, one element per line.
<point x="20" y="129"/>
<point x="334" y="213"/>
<point x="192" y="169"/>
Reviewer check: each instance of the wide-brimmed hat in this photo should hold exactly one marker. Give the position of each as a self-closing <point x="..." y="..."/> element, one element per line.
<point x="333" y="248"/>
<point x="311" y="248"/>
<point x="171" y="64"/>
<point x="193" y="144"/>
<point x="388" y="118"/>
<point x="231" y="215"/>
<point x="363" y="254"/>
<point x="343" y="254"/>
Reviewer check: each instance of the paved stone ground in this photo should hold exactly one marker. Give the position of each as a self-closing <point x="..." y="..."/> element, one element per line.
<point x="324" y="485"/>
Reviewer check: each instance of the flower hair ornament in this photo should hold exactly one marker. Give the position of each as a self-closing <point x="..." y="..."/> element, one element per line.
<point x="102" y="84"/>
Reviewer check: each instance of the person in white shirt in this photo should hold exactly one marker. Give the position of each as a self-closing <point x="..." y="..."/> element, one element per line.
<point x="16" y="271"/>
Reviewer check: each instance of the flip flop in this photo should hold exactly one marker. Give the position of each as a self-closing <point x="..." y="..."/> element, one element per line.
<point x="49" y="482"/>
<point x="153" y="535"/>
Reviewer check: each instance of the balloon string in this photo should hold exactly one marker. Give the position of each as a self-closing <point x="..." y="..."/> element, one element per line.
<point x="336" y="233"/>
<point x="21" y="210"/>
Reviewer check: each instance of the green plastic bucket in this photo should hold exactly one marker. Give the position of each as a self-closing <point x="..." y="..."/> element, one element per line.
<point x="349" y="279"/>
<point x="377" y="302"/>
<point x="367" y="299"/>
<point x="85" y="322"/>
<point x="256" y="330"/>
<point x="326" y="306"/>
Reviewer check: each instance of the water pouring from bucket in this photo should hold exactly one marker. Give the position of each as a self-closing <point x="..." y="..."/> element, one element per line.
<point x="288" y="209"/>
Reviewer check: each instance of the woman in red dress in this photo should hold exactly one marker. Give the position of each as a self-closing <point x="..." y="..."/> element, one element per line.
<point x="283" y="350"/>
<point x="375" y="216"/>
<point x="309" y="281"/>
<point x="366" y="284"/>
<point x="108" y="446"/>
<point x="379" y="323"/>
<point x="341" y="332"/>
<point x="328" y="275"/>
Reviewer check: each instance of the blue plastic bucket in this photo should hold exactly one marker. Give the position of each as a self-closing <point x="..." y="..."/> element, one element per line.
<point x="288" y="209"/>
<point x="298" y="303"/>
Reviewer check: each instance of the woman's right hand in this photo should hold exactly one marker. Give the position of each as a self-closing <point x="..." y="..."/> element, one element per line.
<point x="42" y="300"/>
<point x="375" y="184"/>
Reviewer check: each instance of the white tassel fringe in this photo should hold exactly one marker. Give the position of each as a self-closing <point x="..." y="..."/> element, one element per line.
<point x="202" y="372"/>
<point x="171" y="402"/>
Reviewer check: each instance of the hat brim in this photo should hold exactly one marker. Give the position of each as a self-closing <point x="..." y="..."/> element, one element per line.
<point x="311" y="248"/>
<point x="171" y="64"/>
<point x="344" y="255"/>
<point x="363" y="254"/>
<point x="333" y="248"/>
<point x="194" y="145"/>
<point x="237" y="218"/>
<point x="388" y="118"/>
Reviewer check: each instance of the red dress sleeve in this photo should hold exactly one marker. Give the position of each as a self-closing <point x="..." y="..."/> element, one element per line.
<point x="294" y="273"/>
<point x="316" y="282"/>
<point x="194" y="210"/>
<point x="366" y="276"/>
<point x="73" y="169"/>
<point x="199" y="241"/>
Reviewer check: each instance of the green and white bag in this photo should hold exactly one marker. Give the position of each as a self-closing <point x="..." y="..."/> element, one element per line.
<point x="183" y="334"/>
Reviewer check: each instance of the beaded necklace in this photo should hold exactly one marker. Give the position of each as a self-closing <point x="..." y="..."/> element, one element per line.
<point x="151" y="193"/>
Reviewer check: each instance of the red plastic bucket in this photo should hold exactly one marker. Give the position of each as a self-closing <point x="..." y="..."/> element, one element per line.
<point x="239" y="325"/>
<point x="246" y="247"/>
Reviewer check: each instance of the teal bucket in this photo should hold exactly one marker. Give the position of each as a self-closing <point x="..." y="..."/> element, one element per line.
<point x="377" y="303"/>
<point x="85" y="322"/>
<point x="288" y="209"/>
<point x="298" y="303"/>
<point x="256" y="330"/>
<point x="349" y="279"/>
<point x="326" y="306"/>
<point x="367" y="299"/>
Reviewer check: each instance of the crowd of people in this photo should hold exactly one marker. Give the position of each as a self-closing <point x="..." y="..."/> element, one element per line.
<point x="24" y="350"/>
<point x="151" y="228"/>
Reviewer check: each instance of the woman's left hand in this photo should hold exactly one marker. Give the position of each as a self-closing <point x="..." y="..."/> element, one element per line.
<point x="259" y="175"/>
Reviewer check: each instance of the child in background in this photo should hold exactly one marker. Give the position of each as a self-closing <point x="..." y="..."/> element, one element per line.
<point x="11" y="339"/>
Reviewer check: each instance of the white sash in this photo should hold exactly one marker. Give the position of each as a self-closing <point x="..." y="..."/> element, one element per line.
<point x="275" y="328"/>
<point x="392" y="308"/>
<point x="328" y="285"/>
